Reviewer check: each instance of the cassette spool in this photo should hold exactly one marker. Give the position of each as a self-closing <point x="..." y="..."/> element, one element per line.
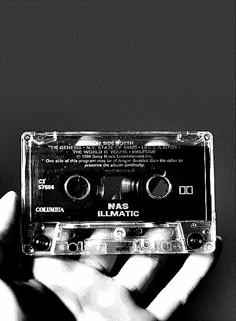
<point x="117" y="193"/>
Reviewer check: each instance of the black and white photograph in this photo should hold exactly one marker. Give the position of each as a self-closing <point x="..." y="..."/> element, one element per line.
<point x="117" y="180"/>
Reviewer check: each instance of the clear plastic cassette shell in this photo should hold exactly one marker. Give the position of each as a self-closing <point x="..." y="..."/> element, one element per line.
<point x="117" y="193"/>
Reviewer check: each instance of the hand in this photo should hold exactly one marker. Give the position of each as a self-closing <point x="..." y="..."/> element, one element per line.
<point x="69" y="290"/>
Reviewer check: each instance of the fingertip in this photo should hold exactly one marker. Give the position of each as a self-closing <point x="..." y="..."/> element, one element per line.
<point x="218" y="250"/>
<point x="11" y="194"/>
<point x="8" y="206"/>
<point x="9" y="197"/>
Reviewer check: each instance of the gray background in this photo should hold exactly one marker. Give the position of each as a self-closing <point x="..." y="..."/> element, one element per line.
<point x="126" y="65"/>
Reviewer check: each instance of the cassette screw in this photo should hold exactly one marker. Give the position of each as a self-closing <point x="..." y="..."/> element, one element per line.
<point x="139" y="231"/>
<point x="207" y="137"/>
<point x="27" y="137"/>
<point x="193" y="225"/>
<point x="208" y="247"/>
<point x="119" y="232"/>
<point x="28" y="249"/>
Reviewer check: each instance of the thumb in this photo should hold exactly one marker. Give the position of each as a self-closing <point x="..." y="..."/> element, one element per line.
<point x="8" y="218"/>
<point x="9" y="234"/>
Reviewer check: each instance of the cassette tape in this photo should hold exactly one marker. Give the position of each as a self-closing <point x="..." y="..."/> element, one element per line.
<point x="117" y="193"/>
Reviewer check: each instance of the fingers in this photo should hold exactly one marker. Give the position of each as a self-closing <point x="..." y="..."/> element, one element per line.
<point x="181" y="286"/>
<point x="21" y="301"/>
<point x="66" y="273"/>
<point x="10" y="309"/>
<point x="9" y="235"/>
<point x="8" y="219"/>
<point x="102" y="263"/>
<point x="138" y="271"/>
<point x="70" y="280"/>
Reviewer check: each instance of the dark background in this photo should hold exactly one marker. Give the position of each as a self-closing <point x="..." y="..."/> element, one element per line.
<point x="126" y="65"/>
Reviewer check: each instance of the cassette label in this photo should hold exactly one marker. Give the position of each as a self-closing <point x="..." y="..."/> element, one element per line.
<point x="117" y="181"/>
